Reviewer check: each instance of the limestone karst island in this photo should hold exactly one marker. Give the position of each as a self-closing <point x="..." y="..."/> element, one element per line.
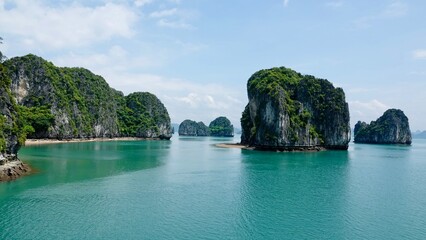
<point x="391" y="128"/>
<point x="291" y="111"/>
<point x="219" y="127"/>
<point x="42" y="101"/>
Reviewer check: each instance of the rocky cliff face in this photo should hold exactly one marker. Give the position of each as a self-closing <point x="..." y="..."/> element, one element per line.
<point x="391" y="128"/>
<point x="143" y="115"/>
<point x="192" y="128"/>
<point x="11" y="136"/>
<point x="64" y="103"/>
<point x="9" y="133"/>
<point x="221" y="127"/>
<point x="288" y="110"/>
<point x="79" y="100"/>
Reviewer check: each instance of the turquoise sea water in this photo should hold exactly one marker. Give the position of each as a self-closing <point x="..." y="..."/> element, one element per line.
<point x="187" y="188"/>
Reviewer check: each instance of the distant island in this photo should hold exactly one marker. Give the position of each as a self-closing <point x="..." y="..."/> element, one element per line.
<point x="220" y="127"/>
<point x="289" y="111"/>
<point x="391" y="128"/>
<point x="419" y="135"/>
<point x="193" y="128"/>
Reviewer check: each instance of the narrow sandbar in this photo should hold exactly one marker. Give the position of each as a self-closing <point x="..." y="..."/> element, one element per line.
<point x="232" y="145"/>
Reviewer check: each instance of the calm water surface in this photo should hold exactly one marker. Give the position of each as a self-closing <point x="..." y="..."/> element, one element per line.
<point x="187" y="188"/>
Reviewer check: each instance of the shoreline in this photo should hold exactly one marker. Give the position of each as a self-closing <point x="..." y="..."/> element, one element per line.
<point x="292" y="149"/>
<point x="13" y="170"/>
<point x="233" y="145"/>
<point x="34" y="142"/>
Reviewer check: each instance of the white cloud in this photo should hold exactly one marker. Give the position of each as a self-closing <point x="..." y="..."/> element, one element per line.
<point x="141" y="3"/>
<point x="164" y="13"/>
<point x="395" y="9"/>
<point x="366" y="111"/>
<point x="39" y="25"/>
<point x="286" y="3"/>
<point x="419" y="54"/>
<point x="174" y="18"/>
<point x="179" y="24"/>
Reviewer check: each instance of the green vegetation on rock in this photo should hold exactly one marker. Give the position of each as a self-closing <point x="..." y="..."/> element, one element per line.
<point x="35" y="120"/>
<point x="221" y="127"/>
<point x="12" y="135"/>
<point x="65" y="103"/>
<point x="391" y="128"/>
<point x="141" y="114"/>
<point x="287" y="109"/>
<point x="193" y="128"/>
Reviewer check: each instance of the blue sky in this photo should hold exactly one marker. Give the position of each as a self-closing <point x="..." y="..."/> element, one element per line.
<point x="196" y="55"/>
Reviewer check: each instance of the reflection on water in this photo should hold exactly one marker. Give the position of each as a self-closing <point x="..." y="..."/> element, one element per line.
<point x="71" y="162"/>
<point x="304" y="192"/>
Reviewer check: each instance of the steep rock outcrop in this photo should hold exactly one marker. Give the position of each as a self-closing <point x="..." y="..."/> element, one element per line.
<point x="79" y="100"/>
<point x="221" y="127"/>
<point x="65" y="103"/>
<point x="288" y="110"/>
<point x="11" y="136"/>
<point x="143" y="115"/>
<point x="391" y="128"/>
<point x="193" y="128"/>
<point x="9" y="132"/>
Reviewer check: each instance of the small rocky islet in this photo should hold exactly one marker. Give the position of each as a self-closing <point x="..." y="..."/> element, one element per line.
<point x="391" y="128"/>
<point x="219" y="127"/>
<point x="192" y="128"/>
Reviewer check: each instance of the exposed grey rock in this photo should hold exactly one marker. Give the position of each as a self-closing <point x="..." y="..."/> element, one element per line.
<point x="391" y="128"/>
<point x="288" y="111"/>
<point x="192" y="128"/>
<point x="221" y="127"/>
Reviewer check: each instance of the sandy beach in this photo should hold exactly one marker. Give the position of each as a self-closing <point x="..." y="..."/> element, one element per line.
<point x="232" y="145"/>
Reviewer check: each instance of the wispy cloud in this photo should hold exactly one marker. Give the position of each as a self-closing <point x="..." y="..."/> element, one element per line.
<point x="140" y="3"/>
<point x="43" y="26"/>
<point x="419" y="54"/>
<point x="285" y="3"/>
<point x="179" y="24"/>
<point x="366" y="111"/>
<point x="173" y="18"/>
<point x="164" y="13"/>
<point x="395" y="9"/>
<point x="334" y="4"/>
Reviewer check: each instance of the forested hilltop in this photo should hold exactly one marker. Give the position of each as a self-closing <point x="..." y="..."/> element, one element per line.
<point x="63" y="103"/>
